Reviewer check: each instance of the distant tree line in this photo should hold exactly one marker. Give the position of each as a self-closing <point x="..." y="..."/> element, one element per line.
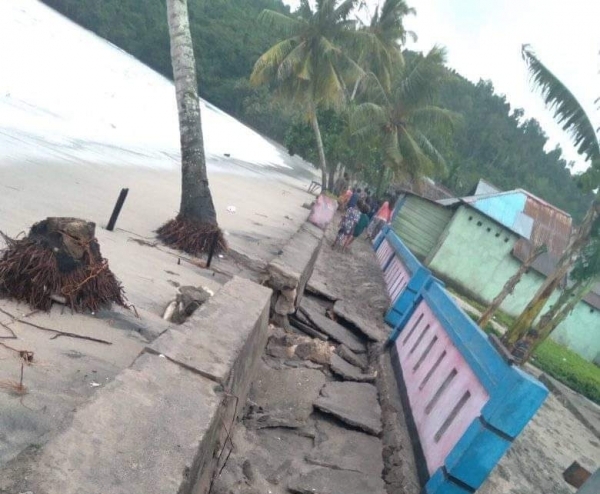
<point x="475" y="134"/>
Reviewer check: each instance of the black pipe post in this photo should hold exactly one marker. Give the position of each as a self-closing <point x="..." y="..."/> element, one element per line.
<point x="117" y="210"/>
<point x="213" y="246"/>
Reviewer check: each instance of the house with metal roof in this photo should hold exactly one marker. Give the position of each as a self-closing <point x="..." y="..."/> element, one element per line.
<point x="476" y="243"/>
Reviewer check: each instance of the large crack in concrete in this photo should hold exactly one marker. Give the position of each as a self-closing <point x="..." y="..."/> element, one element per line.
<point x="310" y="425"/>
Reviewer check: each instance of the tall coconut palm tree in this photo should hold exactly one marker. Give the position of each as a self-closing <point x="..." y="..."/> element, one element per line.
<point x="570" y="114"/>
<point x="310" y="67"/>
<point x="403" y="114"/>
<point x="195" y="229"/>
<point x="380" y="50"/>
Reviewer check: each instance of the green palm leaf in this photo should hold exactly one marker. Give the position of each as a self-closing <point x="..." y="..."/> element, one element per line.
<point x="567" y="110"/>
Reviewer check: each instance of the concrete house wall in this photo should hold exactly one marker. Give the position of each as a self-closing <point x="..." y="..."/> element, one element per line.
<point x="474" y="252"/>
<point x="419" y="223"/>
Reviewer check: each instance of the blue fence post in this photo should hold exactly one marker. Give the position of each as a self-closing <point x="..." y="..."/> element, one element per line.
<point x="399" y="313"/>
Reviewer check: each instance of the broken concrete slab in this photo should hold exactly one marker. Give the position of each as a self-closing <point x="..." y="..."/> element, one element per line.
<point x="284" y="397"/>
<point x="273" y="456"/>
<point x="307" y="328"/>
<point x="348" y="371"/>
<point x="354" y="403"/>
<point x="317" y="287"/>
<point x="328" y="481"/>
<point x="224" y="338"/>
<point x="344" y="449"/>
<point x="370" y="328"/>
<point x="357" y="359"/>
<point x="335" y="331"/>
<point x="289" y="272"/>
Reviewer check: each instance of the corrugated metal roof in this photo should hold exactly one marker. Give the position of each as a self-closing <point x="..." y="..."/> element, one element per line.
<point x="593" y="298"/>
<point x="507" y="208"/>
<point x="551" y="226"/>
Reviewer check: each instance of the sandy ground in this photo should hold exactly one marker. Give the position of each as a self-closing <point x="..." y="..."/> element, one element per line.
<point x="543" y="451"/>
<point x="267" y="206"/>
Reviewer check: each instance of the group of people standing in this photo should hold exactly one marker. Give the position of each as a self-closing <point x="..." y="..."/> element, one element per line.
<point x="361" y="211"/>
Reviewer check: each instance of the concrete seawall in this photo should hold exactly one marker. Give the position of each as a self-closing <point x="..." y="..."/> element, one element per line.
<point x="161" y="425"/>
<point x="289" y="272"/>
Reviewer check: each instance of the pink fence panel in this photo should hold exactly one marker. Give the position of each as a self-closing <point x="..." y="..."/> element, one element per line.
<point x="444" y="393"/>
<point x="396" y="278"/>
<point x="384" y="253"/>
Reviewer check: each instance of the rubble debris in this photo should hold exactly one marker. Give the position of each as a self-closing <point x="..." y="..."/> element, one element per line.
<point x="348" y="371"/>
<point x="345" y="311"/>
<point x="320" y="289"/>
<point x="335" y="331"/>
<point x="344" y="449"/>
<point x="316" y="351"/>
<point x="357" y="359"/>
<point x="283" y="398"/>
<point x="354" y="403"/>
<point x="328" y="481"/>
<point x="306" y="327"/>
<point x="187" y="301"/>
<point x="576" y="475"/>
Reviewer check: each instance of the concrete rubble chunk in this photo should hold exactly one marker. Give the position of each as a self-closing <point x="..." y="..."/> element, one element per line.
<point x="321" y="289"/>
<point x="283" y="398"/>
<point x="307" y="328"/>
<point x="354" y="403"/>
<point x="344" y="449"/>
<point x="327" y="481"/>
<point x="336" y="331"/>
<point x="369" y="327"/>
<point x="348" y="371"/>
<point x="357" y="359"/>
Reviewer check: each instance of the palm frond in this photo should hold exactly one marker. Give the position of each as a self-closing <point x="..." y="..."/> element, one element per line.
<point x="430" y="151"/>
<point x="420" y="80"/>
<point x="434" y="116"/>
<point x="344" y="9"/>
<point x="368" y="118"/>
<point x="267" y="65"/>
<point x="567" y="110"/>
<point x="288" y="26"/>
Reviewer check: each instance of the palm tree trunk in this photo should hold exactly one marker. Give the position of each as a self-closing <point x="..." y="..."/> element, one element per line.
<point x="537" y="303"/>
<point x="534" y="307"/>
<point x="382" y="174"/>
<point x="509" y="287"/>
<point x="331" y="180"/>
<point x="550" y="321"/>
<point x="196" y="199"/>
<point x="322" y="161"/>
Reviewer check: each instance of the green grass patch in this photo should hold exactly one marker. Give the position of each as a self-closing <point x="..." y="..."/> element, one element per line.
<point x="569" y="368"/>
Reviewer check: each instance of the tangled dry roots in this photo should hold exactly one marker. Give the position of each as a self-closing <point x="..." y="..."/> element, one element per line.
<point x="36" y="271"/>
<point x="193" y="237"/>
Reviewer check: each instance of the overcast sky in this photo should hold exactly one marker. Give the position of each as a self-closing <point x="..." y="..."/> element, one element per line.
<point x="484" y="38"/>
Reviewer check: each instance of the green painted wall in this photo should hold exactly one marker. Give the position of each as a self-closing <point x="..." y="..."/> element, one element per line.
<point x="581" y="332"/>
<point x="419" y="223"/>
<point x="474" y="254"/>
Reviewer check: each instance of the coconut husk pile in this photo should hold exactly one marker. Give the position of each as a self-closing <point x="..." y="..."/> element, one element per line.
<point x="193" y="237"/>
<point x="59" y="261"/>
